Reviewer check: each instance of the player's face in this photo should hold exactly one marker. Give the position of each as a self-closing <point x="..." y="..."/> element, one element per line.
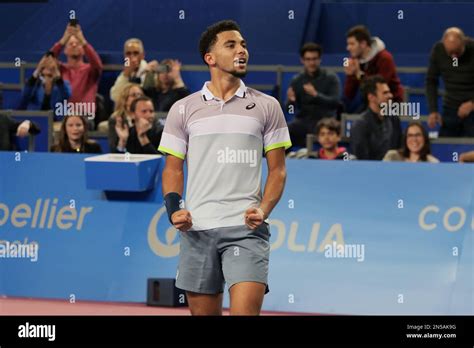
<point x="230" y="53"/>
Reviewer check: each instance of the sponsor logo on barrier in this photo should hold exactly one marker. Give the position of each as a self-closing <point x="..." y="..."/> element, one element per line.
<point x="452" y="220"/>
<point x="44" y="214"/>
<point x="169" y="249"/>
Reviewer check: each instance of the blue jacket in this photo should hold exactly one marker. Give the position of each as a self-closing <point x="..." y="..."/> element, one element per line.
<point x="33" y="95"/>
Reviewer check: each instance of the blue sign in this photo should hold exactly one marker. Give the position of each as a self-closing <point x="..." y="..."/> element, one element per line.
<point x="347" y="237"/>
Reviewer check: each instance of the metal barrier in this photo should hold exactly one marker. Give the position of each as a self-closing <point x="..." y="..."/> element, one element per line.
<point x="279" y="70"/>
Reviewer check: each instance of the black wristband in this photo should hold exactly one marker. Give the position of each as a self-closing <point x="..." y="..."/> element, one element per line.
<point x="173" y="203"/>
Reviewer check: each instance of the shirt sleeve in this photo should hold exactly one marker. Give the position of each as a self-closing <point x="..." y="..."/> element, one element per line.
<point x="275" y="132"/>
<point x="174" y="140"/>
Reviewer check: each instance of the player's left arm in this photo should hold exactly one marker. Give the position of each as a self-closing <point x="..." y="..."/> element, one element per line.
<point x="275" y="180"/>
<point x="273" y="188"/>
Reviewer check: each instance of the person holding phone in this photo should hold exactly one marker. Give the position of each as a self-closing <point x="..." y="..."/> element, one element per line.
<point x="83" y="77"/>
<point x="45" y="87"/>
<point x="169" y="86"/>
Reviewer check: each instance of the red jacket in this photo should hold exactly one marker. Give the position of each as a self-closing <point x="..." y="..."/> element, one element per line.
<point x="380" y="62"/>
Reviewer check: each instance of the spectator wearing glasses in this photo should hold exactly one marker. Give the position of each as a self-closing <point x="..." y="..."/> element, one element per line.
<point x="415" y="146"/>
<point x="314" y="93"/>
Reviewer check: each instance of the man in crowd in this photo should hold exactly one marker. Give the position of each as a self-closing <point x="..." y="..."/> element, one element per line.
<point x="83" y="77"/>
<point x="9" y="129"/>
<point x="375" y="134"/>
<point x="314" y="93"/>
<point x="452" y="58"/>
<point x="368" y="57"/>
<point x="136" y="69"/>
<point x="144" y="137"/>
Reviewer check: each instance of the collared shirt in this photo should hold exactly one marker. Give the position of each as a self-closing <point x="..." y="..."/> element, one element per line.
<point x="223" y="143"/>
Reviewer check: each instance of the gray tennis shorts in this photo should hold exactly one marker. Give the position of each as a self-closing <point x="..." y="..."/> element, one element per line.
<point x="210" y="258"/>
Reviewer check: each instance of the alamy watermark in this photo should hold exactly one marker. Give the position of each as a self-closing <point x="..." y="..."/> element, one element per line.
<point x="241" y="156"/>
<point x="400" y="109"/>
<point x="335" y="250"/>
<point x="19" y="250"/>
<point x="66" y="108"/>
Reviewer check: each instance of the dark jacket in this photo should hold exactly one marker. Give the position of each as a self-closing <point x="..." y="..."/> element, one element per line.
<point x="8" y="129"/>
<point x="458" y="80"/>
<point x="133" y="144"/>
<point x="326" y="102"/>
<point x="372" y="137"/>
<point x="89" y="147"/>
<point x="163" y="101"/>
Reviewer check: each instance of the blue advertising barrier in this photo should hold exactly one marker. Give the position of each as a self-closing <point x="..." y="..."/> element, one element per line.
<point x="347" y="237"/>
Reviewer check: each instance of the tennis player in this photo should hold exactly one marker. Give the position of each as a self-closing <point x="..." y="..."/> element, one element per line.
<point x="222" y="133"/>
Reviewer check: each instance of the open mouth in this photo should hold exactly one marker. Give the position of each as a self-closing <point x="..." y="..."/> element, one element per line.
<point x="241" y="62"/>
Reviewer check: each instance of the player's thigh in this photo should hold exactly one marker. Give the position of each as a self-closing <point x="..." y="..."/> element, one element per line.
<point x="204" y="304"/>
<point x="246" y="298"/>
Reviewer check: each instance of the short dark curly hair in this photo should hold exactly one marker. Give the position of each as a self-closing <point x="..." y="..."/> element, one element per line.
<point x="209" y="36"/>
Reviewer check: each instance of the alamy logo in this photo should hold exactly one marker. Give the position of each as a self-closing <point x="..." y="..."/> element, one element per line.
<point x="37" y="331"/>
<point x="75" y="109"/>
<point x="241" y="156"/>
<point x="400" y="109"/>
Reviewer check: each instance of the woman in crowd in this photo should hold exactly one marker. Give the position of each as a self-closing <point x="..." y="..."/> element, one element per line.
<point x="73" y="137"/>
<point x="128" y="94"/>
<point x="416" y="146"/>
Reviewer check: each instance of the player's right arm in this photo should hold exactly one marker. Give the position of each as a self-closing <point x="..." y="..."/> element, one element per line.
<point x="172" y="183"/>
<point x="174" y="142"/>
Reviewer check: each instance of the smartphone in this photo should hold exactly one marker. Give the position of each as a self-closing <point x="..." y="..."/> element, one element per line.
<point x="73" y="22"/>
<point x="163" y="68"/>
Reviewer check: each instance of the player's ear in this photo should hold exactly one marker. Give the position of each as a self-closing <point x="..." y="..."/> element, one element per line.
<point x="209" y="59"/>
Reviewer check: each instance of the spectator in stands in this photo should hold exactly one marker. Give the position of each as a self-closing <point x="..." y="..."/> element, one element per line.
<point x="466" y="157"/>
<point x="328" y="133"/>
<point x="9" y="129"/>
<point x="416" y="146"/>
<point x="45" y="87"/>
<point x="83" y="77"/>
<point x="129" y="93"/>
<point x="375" y="134"/>
<point x="145" y="135"/>
<point x="135" y="70"/>
<point x="169" y="86"/>
<point x="452" y="58"/>
<point x="73" y="137"/>
<point x="368" y="57"/>
<point x="315" y="93"/>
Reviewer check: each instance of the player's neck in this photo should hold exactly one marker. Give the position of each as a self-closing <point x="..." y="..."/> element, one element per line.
<point x="224" y="87"/>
